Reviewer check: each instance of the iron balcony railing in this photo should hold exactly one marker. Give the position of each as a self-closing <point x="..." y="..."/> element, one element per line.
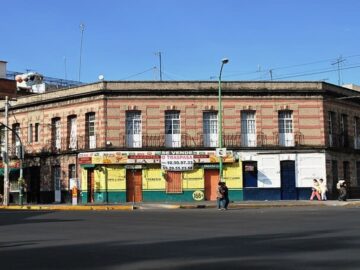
<point x="185" y="141"/>
<point x="341" y="140"/>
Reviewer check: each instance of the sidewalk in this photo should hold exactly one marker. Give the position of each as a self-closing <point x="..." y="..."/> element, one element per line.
<point x="181" y="205"/>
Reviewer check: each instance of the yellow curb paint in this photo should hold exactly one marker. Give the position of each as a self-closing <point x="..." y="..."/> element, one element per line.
<point x="67" y="208"/>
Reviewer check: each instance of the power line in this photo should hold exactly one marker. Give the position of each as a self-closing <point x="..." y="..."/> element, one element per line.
<point x="315" y="73"/>
<point x="134" y="75"/>
<point x="290" y="66"/>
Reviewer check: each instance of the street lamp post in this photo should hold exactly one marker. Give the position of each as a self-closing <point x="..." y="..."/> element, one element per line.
<point x="223" y="62"/>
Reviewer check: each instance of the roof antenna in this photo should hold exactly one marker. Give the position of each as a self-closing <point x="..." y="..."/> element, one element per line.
<point x="82" y="28"/>
<point x="160" y="65"/>
<point x="338" y="62"/>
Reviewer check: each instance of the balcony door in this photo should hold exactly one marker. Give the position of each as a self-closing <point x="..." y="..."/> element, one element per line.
<point x="248" y="128"/>
<point x="72" y="132"/>
<point x="133" y="129"/>
<point x="172" y="129"/>
<point x="90" y="130"/>
<point x="16" y="129"/>
<point x="286" y="135"/>
<point x="331" y="127"/>
<point x="210" y="129"/>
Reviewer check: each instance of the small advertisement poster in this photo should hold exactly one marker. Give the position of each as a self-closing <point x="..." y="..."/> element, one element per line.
<point x="177" y="162"/>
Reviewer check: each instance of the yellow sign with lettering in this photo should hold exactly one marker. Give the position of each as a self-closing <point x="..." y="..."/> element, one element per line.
<point x="193" y="179"/>
<point x="233" y="175"/>
<point x="153" y="179"/>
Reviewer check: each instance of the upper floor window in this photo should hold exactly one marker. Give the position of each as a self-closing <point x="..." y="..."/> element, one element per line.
<point x="56" y="133"/>
<point x="30" y="133"/>
<point x="37" y="132"/>
<point x="72" y="132"/>
<point x="248" y="128"/>
<point x="133" y="129"/>
<point x="90" y="130"/>
<point x="286" y="135"/>
<point x="172" y="129"/>
<point x="210" y="129"/>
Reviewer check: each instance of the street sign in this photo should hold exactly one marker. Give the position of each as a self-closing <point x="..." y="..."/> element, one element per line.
<point x="221" y="152"/>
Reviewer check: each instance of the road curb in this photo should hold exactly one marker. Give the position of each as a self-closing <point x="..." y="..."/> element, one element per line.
<point x="174" y="206"/>
<point x="69" y="208"/>
<point x="249" y="206"/>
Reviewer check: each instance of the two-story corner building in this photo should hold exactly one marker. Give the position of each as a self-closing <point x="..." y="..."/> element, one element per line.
<point x="156" y="141"/>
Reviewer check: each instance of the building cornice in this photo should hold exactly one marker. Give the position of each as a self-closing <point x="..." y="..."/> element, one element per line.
<point x="185" y="88"/>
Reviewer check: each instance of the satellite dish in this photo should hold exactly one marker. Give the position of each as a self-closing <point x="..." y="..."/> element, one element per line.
<point x="101" y="77"/>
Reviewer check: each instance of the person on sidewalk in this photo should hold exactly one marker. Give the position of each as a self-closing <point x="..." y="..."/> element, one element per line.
<point x="315" y="190"/>
<point x="323" y="189"/>
<point x="341" y="186"/>
<point x="226" y="195"/>
<point x="220" y="196"/>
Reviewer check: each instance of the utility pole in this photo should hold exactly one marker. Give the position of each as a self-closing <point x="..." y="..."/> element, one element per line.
<point x="338" y="62"/>
<point x="6" y="155"/>
<point x="82" y="28"/>
<point x="160" y="65"/>
<point x="271" y="74"/>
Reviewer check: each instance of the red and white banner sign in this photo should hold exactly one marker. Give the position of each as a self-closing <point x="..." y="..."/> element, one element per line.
<point x="177" y="162"/>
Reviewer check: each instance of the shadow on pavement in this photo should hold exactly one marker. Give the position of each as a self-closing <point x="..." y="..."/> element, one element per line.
<point x="315" y="250"/>
<point x="14" y="217"/>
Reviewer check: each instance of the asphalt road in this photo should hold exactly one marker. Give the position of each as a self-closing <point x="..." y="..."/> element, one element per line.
<point x="269" y="238"/>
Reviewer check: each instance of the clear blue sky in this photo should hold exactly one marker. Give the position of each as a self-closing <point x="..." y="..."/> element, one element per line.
<point x="121" y="37"/>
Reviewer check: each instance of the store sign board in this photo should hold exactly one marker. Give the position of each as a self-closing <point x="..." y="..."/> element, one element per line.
<point x="151" y="157"/>
<point x="177" y="162"/>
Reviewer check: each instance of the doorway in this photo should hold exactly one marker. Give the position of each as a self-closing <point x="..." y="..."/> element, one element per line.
<point x="211" y="183"/>
<point x="133" y="185"/>
<point x="288" y="184"/>
<point x="335" y="178"/>
<point x="33" y="191"/>
<point x="90" y="185"/>
<point x="250" y="173"/>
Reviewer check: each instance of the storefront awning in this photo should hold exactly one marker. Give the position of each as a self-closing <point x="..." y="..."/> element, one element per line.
<point x="10" y="170"/>
<point x="87" y="166"/>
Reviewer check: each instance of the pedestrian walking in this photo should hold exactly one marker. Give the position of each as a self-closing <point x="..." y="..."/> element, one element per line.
<point x="315" y="190"/>
<point x="226" y="195"/>
<point x="323" y="189"/>
<point x="220" y="196"/>
<point x="341" y="186"/>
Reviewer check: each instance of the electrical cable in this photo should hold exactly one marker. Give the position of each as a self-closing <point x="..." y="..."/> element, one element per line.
<point x="134" y="75"/>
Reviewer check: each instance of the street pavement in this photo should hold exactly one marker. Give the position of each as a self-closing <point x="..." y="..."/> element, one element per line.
<point x="304" y="237"/>
<point x="182" y="205"/>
